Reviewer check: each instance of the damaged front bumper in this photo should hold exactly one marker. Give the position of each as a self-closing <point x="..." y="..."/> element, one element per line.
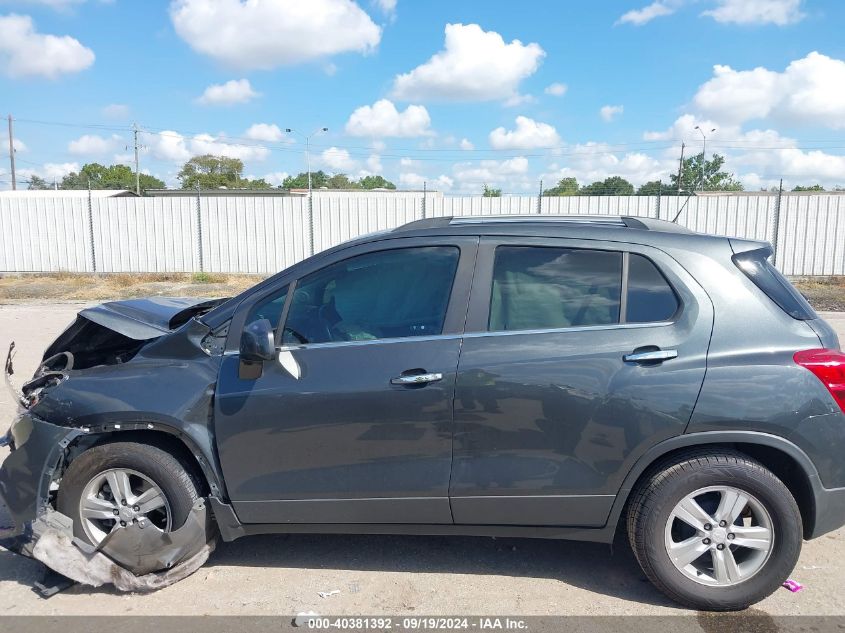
<point x="128" y="558"/>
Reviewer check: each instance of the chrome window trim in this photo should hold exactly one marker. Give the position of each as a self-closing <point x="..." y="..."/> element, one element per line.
<point x="582" y="328"/>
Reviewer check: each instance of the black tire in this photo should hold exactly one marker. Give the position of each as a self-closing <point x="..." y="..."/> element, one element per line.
<point x="654" y="500"/>
<point x="153" y="462"/>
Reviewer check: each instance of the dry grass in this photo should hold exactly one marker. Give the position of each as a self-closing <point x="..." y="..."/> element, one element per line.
<point x="84" y="287"/>
<point x="823" y="293"/>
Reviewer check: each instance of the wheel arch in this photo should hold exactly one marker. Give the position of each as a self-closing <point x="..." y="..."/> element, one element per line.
<point x="165" y="437"/>
<point x="786" y="460"/>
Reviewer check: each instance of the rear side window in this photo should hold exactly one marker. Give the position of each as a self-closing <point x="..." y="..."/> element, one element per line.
<point x="650" y="297"/>
<point x="757" y="267"/>
<point x="548" y="288"/>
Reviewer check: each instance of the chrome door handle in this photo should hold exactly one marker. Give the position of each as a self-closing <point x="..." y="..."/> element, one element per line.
<point x="416" y="379"/>
<point x="654" y="356"/>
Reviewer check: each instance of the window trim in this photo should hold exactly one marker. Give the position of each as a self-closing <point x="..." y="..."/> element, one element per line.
<point x="478" y="316"/>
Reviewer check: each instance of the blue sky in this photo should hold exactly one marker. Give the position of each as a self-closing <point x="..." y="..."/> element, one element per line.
<point x="456" y="94"/>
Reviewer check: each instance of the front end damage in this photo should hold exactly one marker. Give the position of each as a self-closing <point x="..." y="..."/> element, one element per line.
<point x="139" y="557"/>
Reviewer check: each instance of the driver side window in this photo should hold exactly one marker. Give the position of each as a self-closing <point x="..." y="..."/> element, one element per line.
<point x="387" y="294"/>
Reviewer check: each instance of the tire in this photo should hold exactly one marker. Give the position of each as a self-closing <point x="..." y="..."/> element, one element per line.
<point x="146" y="462"/>
<point x="714" y="474"/>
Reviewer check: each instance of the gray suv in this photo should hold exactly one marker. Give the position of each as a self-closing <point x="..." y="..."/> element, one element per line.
<point x="549" y="377"/>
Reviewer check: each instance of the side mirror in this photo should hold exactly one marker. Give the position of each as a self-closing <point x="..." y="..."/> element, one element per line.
<point x="258" y="342"/>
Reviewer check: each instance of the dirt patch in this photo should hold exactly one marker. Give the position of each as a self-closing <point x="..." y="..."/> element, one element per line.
<point x="823" y="293"/>
<point x="72" y="286"/>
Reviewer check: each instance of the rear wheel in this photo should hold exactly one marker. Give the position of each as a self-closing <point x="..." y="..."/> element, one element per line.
<point x="715" y="530"/>
<point x="111" y="486"/>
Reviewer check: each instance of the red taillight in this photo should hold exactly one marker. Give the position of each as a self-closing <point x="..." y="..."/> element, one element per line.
<point x="828" y="366"/>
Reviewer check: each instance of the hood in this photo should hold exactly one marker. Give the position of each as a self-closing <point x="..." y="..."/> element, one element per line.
<point x="145" y="319"/>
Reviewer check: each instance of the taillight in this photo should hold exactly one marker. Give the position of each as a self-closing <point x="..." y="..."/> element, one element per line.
<point x="828" y="366"/>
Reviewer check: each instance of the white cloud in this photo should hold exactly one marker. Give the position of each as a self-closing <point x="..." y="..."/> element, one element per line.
<point x="338" y="160"/>
<point x="20" y="146"/>
<point x="466" y="144"/>
<point x="51" y="172"/>
<point x="683" y="129"/>
<point x="116" y="111"/>
<point x="529" y="134"/>
<point x="387" y="6"/>
<point x="374" y="165"/>
<point x="511" y="173"/>
<point x="382" y="119"/>
<point x="591" y="162"/>
<point x="810" y="91"/>
<point x="413" y="180"/>
<point x="517" y="99"/>
<point x="556" y="89"/>
<point x="638" y="17"/>
<point x="779" y="12"/>
<point x="269" y="132"/>
<point x="610" y="112"/>
<point x="475" y="65"/>
<point x="172" y="146"/>
<point x="265" y="34"/>
<point x="27" y="53"/>
<point x="232" y="92"/>
<point x="94" y="145"/>
<point x="276" y="178"/>
<point x="219" y="146"/>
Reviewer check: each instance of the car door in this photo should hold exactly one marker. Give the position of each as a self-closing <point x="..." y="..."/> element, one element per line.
<point x="578" y="356"/>
<point x="352" y="423"/>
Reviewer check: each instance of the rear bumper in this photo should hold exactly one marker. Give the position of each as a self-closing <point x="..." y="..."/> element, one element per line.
<point x="25" y="477"/>
<point x="830" y="511"/>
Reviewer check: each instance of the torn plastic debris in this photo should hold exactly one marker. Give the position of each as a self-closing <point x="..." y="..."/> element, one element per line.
<point x="142" y="548"/>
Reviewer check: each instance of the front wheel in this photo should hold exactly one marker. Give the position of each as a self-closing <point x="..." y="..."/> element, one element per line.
<point x="715" y="530"/>
<point x="111" y="486"/>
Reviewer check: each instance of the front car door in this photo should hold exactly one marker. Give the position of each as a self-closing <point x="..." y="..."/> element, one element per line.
<point x="352" y="423"/>
<point x="549" y="414"/>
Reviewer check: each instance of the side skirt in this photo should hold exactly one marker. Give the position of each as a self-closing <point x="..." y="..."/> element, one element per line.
<point x="231" y="528"/>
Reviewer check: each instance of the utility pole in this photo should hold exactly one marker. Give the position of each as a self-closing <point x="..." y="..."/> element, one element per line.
<point x="703" y="152"/>
<point x="137" y="166"/>
<point x="12" y="153"/>
<point x="310" y="190"/>
<point x="681" y="168"/>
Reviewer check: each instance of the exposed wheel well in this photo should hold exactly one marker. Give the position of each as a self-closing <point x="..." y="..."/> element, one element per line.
<point x="783" y="465"/>
<point x="160" y="439"/>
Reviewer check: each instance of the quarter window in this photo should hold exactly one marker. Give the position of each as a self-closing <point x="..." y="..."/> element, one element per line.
<point x="386" y="294"/>
<point x="546" y="288"/>
<point x="650" y="297"/>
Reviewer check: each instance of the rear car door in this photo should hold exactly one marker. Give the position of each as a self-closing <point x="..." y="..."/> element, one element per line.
<point x="579" y="355"/>
<point x="352" y="423"/>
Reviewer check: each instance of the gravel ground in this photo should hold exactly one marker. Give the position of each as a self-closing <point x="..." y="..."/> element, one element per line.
<point x="378" y="575"/>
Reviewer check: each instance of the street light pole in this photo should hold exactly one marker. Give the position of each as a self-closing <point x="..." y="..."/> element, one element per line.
<point x="308" y="149"/>
<point x="703" y="152"/>
<point x="310" y="189"/>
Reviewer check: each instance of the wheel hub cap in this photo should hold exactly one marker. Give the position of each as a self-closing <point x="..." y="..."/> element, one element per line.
<point x="119" y="497"/>
<point x="719" y="536"/>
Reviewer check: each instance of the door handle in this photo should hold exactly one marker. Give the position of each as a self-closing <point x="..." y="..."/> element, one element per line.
<point x="416" y="379"/>
<point x="653" y="356"/>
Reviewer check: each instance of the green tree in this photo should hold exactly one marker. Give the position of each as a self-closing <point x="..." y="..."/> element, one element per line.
<point x="36" y="183"/>
<point x="489" y="192"/>
<point x="612" y="186"/>
<point x="656" y="188"/>
<point x="319" y="179"/>
<point x="341" y="181"/>
<point x="111" y="177"/>
<point x="375" y="182"/>
<point x="705" y="175"/>
<point x="211" y="172"/>
<point x="808" y="188"/>
<point x="565" y="187"/>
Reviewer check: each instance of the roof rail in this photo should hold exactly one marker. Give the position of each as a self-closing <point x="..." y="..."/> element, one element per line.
<point x="619" y="221"/>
